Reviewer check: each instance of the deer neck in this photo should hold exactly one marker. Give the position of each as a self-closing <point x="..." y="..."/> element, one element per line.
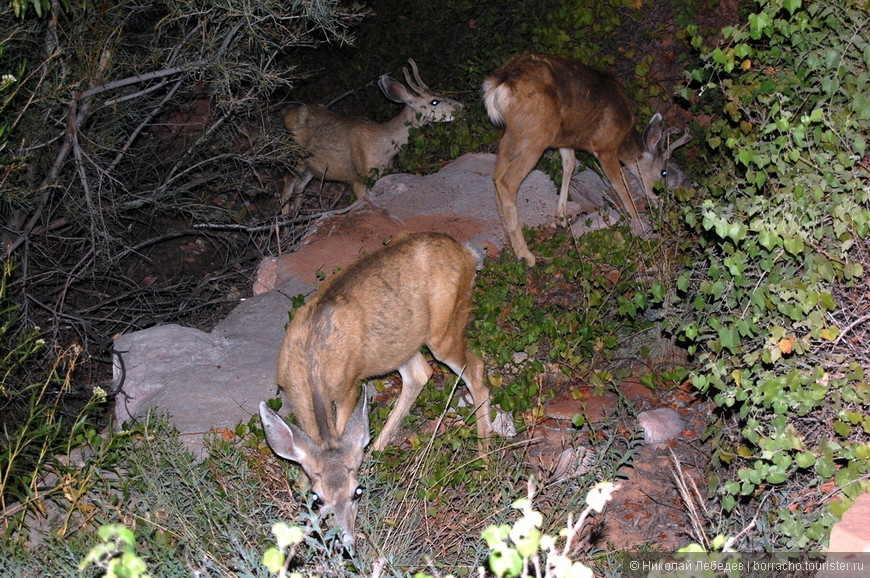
<point x="398" y="128"/>
<point x="631" y="148"/>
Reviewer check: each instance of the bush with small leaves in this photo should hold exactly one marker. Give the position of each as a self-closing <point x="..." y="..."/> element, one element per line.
<point x="783" y="231"/>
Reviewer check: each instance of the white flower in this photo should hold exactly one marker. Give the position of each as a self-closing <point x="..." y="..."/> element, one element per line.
<point x="600" y="494"/>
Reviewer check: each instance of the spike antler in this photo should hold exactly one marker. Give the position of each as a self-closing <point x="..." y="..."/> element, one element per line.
<point x="684" y="138"/>
<point x="419" y="86"/>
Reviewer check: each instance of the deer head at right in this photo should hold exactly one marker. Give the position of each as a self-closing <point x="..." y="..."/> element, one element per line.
<point x="551" y="102"/>
<point x="348" y="149"/>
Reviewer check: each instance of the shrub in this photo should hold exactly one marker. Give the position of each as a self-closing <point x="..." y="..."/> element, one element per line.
<point x="782" y="241"/>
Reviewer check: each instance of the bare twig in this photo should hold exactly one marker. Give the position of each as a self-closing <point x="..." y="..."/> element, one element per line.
<point x="271" y="225"/>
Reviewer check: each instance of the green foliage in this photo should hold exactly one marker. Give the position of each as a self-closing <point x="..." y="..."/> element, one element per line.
<point x="116" y="554"/>
<point x="787" y="206"/>
<point x="40" y="7"/>
<point x="557" y="31"/>
<point x="430" y="146"/>
<point x="189" y="515"/>
<point x="32" y="385"/>
<point x="566" y="313"/>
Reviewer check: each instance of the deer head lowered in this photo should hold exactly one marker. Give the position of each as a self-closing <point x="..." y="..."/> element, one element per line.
<point x="368" y="320"/>
<point x="347" y="149"/>
<point x="551" y="102"/>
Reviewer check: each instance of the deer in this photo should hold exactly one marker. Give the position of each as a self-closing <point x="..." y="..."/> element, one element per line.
<point x="370" y="319"/>
<point x="545" y="102"/>
<point x="347" y="149"/>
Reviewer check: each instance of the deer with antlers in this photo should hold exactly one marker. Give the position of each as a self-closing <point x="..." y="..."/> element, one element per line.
<point x="551" y="102"/>
<point x="348" y="149"/>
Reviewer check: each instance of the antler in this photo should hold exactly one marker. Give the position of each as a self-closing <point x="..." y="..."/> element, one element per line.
<point x="419" y="86"/>
<point x="686" y="137"/>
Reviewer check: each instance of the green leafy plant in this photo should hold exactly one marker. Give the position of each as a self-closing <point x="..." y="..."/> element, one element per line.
<point x="566" y="314"/>
<point x="116" y="554"/>
<point x="781" y="232"/>
<point x="33" y="382"/>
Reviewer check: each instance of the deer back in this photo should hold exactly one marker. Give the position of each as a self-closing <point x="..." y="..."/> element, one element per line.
<point x="368" y="320"/>
<point x="559" y="103"/>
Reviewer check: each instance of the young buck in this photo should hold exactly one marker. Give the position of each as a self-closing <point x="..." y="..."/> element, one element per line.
<point x="550" y="102"/>
<point x="347" y="148"/>
<point x="368" y="320"/>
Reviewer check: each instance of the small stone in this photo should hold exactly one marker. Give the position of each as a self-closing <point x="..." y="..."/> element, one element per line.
<point x="660" y="425"/>
<point x="572" y="462"/>
<point x="503" y="424"/>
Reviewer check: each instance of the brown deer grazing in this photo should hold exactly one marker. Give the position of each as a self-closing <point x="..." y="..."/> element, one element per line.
<point x="368" y="320"/>
<point x="348" y="149"/>
<point x="550" y="102"/>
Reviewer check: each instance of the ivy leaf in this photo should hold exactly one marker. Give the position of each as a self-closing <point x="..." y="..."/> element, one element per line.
<point x="729" y="338"/>
<point x="794" y="245"/>
<point x="805" y="459"/>
<point x="791" y="5"/>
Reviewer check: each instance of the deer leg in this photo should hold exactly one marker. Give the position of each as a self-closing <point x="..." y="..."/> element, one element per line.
<point x="610" y="165"/>
<point x="471" y="372"/>
<point x="291" y="195"/>
<point x="415" y="374"/>
<point x="360" y="190"/>
<point x="568" y="161"/>
<point x="451" y="349"/>
<point x="514" y="162"/>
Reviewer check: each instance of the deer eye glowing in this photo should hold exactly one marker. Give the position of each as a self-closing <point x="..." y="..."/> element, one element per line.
<point x="358" y="492"/>
<point x="435" y="102"/>
<point x="316" y="499"/>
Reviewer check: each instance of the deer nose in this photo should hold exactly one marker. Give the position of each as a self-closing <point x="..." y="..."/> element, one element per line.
<point x="349" y="542"/>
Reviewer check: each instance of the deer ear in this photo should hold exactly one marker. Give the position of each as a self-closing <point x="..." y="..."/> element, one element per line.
<point x="394" y="90"/>
<point x="356" y="432"/>
<point x="652" y="134"/>
<point x="286" y="440"/>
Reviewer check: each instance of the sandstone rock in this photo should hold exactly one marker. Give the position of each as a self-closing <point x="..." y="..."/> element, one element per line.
<point x="852" y="533"/>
